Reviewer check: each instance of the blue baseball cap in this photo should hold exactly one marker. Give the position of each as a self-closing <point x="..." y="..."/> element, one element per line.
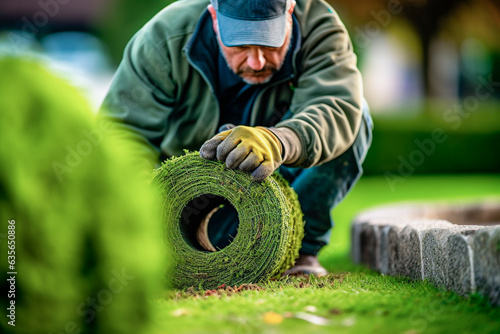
<point x="252" y="22"/>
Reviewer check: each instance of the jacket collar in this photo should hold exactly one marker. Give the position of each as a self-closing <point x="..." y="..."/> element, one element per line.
<point x="201" y="49"/>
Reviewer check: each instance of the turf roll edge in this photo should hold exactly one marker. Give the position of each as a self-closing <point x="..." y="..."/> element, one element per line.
<point x="270" y="227"/>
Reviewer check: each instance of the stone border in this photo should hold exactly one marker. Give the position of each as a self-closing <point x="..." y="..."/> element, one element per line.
<point x="409" y="240"/>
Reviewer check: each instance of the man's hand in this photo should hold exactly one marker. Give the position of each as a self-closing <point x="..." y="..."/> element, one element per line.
<point x="255" y="150"/>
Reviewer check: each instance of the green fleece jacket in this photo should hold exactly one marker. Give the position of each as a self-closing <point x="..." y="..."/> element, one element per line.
<point x="163" y="91"/>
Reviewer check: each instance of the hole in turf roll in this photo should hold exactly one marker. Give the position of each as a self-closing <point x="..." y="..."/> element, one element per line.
<point x="209" y="223"/>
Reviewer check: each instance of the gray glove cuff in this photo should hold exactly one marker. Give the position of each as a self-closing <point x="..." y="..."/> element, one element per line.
<point x="292" y="147"/>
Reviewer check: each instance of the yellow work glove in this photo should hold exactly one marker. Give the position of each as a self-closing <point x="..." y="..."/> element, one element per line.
<point x="255" y="150"/>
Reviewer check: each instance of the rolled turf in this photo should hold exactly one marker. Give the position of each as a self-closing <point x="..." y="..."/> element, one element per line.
<point x="270" y="227"/>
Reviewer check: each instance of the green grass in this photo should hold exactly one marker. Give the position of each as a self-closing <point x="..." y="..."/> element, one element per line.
<point x="360" y="301"/>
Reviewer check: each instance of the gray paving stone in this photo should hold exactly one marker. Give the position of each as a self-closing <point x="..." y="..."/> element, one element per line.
<point x="439" y="255"/>
<point x="369" y="245"/>
<point x="410" y="254"/>
<point x="435" y="256"/>
<point x="389" y="249"/>
<point x="486" y="249"/>
<point x="408" y="259"/>
<point x="460" y="265"/>
<point x="383" y="256"/>
<point x="356" y="228"/>
<point x="366" y="241"/>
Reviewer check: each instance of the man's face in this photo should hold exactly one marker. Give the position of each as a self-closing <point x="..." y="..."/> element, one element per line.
<point x="255" y="64"/>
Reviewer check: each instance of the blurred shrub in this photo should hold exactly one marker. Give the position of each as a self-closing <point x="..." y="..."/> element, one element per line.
<point x="441" y="140"/>
<point x="88" y="249"/>
<point x="124" y="20"/>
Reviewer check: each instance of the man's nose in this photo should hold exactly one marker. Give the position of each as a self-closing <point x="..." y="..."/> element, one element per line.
<point x="256" y="59"/>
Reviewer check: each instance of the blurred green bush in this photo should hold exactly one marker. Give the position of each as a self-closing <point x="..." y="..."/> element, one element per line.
<point x="88" y="250"/>
<point x="441" y="140"/>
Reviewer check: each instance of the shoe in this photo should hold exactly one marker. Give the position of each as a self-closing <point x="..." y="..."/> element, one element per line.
<point x="307" y="265"/>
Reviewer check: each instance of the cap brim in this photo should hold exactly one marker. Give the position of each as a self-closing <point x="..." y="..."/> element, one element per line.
<point x="234" y="32"/>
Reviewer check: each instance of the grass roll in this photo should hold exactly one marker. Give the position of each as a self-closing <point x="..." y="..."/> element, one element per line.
<point x="270" y="227"/>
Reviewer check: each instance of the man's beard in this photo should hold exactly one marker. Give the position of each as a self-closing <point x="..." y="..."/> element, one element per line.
<point x="271" y="70"/>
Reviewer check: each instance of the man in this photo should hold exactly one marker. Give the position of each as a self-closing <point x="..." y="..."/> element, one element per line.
<point x="277" y="77"/>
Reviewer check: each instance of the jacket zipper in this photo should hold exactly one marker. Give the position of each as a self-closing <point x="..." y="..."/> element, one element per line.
<point x="209" y="84"/>
<point x="259" y="97"/>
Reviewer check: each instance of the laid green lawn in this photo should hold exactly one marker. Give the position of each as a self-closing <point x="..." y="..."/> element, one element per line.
<point x="353" y="299"/>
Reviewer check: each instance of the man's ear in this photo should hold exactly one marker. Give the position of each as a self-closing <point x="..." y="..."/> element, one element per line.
<point x="292" y="6"/>
<point x="213" y="14"/>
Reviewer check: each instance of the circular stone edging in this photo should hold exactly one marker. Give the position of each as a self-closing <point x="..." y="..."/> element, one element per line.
<point x="420" y="241"/>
